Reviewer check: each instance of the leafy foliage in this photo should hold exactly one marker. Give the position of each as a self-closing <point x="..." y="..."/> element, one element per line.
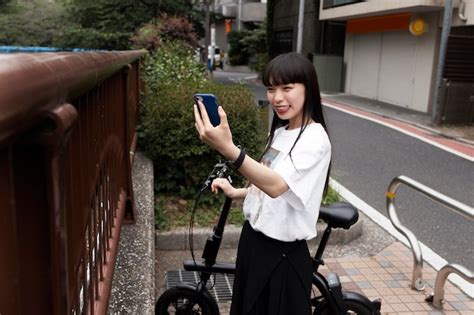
<point x="168" y="28"/>
<point x="172" y="64"/>
<point x="249" y="47"/>
<point x="237" y="52"/>
<point x="172" y="211"/>
<point x="255" y="44"/>
<point x="32" y="23"/>
<point x="167" y="130"/>
<point x="178" y="28"/>
<point x="104" y="24"/>
<point x="95" y="24"/>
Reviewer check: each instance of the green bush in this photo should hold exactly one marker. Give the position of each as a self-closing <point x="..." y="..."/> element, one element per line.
<point x="167" y="133"/>
<point x="172" y="64"/>
<point x="237" y="52"/>
<point x="254" y="43"/>
<point x="168" y="28"/>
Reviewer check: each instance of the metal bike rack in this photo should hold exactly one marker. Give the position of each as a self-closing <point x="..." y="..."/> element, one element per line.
<point x="454" y="205"/>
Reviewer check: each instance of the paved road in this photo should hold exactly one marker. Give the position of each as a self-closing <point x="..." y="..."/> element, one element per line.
<point x="367" y="156"/>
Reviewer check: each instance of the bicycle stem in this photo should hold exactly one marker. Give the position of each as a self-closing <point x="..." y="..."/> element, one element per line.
<point x="213" y="242"/>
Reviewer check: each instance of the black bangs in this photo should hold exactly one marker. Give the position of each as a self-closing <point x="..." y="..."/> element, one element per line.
<point x="286" y="69"/>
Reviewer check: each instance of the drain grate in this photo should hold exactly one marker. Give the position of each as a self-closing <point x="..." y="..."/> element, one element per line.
<point x="220" y="285"/>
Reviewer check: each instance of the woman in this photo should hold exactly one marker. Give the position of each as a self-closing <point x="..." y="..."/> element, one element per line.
<point x="281" y="206"/>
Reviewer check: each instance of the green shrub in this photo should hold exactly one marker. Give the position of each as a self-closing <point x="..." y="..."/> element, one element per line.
<point x="237" y="52"/>
<point x="167" y="28"/>
<point x="167" y="133"/>
<point x="254" y="43"/>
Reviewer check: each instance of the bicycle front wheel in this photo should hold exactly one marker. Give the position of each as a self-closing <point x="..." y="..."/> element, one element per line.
<point x="183" y="301"/>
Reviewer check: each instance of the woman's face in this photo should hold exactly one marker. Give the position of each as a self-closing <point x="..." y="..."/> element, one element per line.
<point x="287" y="101"/>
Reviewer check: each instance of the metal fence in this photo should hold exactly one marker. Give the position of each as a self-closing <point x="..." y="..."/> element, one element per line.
<point x="67" y="136"/>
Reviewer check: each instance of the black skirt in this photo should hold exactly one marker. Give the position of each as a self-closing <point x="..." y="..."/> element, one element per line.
<point x="272" y="277"/>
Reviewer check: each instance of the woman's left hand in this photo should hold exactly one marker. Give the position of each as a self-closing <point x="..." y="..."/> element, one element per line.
<point x="219" y="137"/>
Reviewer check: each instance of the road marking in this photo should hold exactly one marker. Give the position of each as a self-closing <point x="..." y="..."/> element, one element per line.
<point x="429" y="255"/>
<point x="251" y="77"/>
<point x="462" y="150"/>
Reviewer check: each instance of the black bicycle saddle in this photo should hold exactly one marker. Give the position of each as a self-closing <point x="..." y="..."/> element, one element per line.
<point x="339" y="215"/>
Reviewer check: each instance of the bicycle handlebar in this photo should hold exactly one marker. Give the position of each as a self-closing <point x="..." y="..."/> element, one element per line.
<point x="220" y="170"/>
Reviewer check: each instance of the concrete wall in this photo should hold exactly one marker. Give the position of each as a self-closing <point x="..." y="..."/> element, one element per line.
<point x="426" y="62"/>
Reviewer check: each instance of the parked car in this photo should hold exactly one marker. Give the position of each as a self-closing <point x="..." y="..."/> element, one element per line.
<point x="218" y="57"/>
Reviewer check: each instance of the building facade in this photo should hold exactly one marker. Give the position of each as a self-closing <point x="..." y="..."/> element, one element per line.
<point x="322" y="41"/>
<point x="237" y="15"/>
<point x="391" y="52"/>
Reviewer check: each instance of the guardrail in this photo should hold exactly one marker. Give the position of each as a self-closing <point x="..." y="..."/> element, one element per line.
<point x="67" y="131"/>
<point x="417" y="275"/>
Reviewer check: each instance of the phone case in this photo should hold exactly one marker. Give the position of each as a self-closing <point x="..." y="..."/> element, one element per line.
<point x="210" y="102"/>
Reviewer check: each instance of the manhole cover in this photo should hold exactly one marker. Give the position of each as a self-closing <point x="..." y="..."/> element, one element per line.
<point x="220" y="285"/>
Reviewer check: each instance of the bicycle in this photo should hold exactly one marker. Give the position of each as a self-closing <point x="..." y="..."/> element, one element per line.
<point x="194" y="298"/>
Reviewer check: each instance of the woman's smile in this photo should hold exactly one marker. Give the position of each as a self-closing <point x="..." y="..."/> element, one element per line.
<point x="282" y="109"/>
<point x="287" y="101"/>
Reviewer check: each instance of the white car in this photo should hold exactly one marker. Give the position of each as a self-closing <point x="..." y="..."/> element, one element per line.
<point x="218" y="63"/>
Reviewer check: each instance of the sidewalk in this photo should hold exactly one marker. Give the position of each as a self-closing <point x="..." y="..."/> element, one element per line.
<point x="375" y="264"/>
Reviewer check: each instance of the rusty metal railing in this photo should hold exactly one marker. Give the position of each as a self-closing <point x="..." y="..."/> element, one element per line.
<point x="67" y="127"/>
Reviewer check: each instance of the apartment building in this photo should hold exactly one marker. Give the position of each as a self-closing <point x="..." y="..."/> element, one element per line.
<point x="391" y="52"/>
<point x="237" y="15"/>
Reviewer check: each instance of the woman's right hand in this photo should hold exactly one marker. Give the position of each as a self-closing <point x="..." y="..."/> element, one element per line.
<point x="228" y="190"/>
<point x="224" y="185"/>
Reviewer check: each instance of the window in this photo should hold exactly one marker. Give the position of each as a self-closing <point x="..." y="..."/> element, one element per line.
<point x="282" y="42"/>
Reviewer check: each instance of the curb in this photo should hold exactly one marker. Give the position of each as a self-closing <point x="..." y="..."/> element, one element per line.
<point x="133" y="285"/>
<point x="177" y="239"/>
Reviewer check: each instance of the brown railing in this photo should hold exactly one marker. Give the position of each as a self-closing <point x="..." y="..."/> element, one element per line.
<point x="67" y="135"/>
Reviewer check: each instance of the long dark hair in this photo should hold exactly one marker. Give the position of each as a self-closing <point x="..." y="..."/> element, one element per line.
<point x="293" y="68"/>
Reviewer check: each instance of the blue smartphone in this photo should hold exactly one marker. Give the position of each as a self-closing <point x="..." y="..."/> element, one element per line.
<point x="210" y="102"/>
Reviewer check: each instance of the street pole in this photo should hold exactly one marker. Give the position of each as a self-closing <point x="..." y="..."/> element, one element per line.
<point x="437" y="111"/>
<point x="239" y="15"/>
<point x="299" y="39"/>
<point x="207" y="39"/>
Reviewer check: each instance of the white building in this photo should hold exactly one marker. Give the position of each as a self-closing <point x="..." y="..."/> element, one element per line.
<point x="391" y="48"/>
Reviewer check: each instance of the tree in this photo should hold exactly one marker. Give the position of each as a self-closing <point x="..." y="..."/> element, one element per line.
<point x="32" y="23"/>
<point x="104" y="24"/>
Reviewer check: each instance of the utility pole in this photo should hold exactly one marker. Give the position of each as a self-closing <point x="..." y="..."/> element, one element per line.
<point x="299" y="39"/>
<point x="207" y="39"/>
<point x="437" y="110"/>
<point x="239" y="15"/>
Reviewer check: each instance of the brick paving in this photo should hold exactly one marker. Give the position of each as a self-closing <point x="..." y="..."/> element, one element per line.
<point x="386" y="275"/>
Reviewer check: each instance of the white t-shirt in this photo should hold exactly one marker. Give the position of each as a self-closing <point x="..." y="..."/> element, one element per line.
<point x="292" y="215"/>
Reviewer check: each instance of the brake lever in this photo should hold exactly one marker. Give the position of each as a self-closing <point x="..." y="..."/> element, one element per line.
<point x="220" y="171"/>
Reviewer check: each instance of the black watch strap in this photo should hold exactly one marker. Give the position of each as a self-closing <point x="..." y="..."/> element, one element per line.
<point x="240" y="159"/>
